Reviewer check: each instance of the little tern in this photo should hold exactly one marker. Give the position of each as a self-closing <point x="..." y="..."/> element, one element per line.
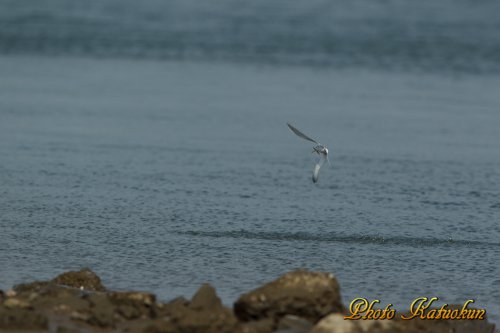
<point x="319" y="149"/>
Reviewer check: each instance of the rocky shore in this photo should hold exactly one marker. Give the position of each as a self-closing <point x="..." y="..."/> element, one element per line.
<point x="297" y="302"/>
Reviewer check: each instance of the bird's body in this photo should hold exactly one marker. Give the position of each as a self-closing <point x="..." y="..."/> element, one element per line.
<point x="319" y="149"/>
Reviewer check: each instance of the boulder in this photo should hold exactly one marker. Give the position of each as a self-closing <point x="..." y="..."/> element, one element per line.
<point x="107" y="310"/>
<point x="298" y="302"/>
<point x="294" y="324"/>
<point x="22" y="319"/>
<point x="205" y="299"/>
<point x="133" y="305"/>
<point x="438" y="326"/>
<point x="10" y="293"/>
<point x="16" y="303"/>
<point x="100" y="311"/>
<point x="83" y="279"/>
<point x="30" y="287"/>
<point x="52" y="298"/>
<point x="203" y="314"/>
<point x="309" y="295"/>
<point x="265" y="325"/>
<point x="335" y="323"/>
<point x="380" y="326"/>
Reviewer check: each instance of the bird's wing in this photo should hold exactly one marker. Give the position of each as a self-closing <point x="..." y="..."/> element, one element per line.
<point x="318" y="165"/>
<point x="302" y="135"/>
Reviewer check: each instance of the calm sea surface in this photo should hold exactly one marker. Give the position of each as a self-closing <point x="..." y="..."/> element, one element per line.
<point x="149" y="142"/>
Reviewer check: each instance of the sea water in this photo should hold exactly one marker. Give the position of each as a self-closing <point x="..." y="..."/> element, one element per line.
<point x="149" y="142"/>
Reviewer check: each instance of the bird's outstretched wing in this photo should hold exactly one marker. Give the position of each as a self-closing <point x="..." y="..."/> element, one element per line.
<point x="322" y="160"/>
<point x="300" y="134"/>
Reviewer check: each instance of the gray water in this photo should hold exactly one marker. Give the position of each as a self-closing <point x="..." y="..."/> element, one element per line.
<point x="162" y="172"/>
<point x="451" y="35"/>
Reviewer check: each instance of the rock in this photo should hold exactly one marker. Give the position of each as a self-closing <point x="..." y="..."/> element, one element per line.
<point x="64" y="329"/>
<point x="294" y="324"/>
<point x="265" y="325"/>
<point x="188" y="320"/>
<point x="205" y="298"/>
<point x="379" y="326"/>
<point x="16" y="303"/>
<point x="76" y="315"/>
<point x="10" y="293"/>
<point x="178" y="301"/>
<point x="158" y="326"/>
<point x="30" y="287"/>
<point x="55" y="298"/>
<point x="103" y="317"/>
<point x="475" y="326"/>
<point x="102" y="311"/>
<point x="106" y="310"/>
<point x="83" y="279"/>
<point x="309" y="295"/>
<point x="22" y="319"/>
<point x="135" y="297"/>
<point x="132" y="305"/>
<point x="335" y="323"/>
<point x="439" y="326"/>
<point x="52" y="291"/>
<point x="298" y="302"/>
<point x="203" y="314"/>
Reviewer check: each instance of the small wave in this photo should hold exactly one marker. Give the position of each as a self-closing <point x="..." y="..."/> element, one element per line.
<point x="337" y="238"/>
<point x="443" y="203"/>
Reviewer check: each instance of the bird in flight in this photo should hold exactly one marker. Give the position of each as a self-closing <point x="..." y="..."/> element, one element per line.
<point x="319" y="149"/>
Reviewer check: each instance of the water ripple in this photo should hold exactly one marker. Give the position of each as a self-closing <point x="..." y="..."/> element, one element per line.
<point x="338" y="238"/>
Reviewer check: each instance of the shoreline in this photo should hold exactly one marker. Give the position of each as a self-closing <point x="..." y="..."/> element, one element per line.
<point x="297" y="302"/>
